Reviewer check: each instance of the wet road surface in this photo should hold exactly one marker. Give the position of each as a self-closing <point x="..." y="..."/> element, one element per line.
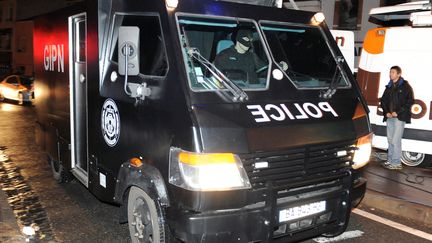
<point x="73" y="214"/>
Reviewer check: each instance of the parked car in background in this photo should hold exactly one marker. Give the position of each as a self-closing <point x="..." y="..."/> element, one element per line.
<point x="17" y="87"/>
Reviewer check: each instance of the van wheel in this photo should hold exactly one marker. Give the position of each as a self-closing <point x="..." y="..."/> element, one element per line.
<point x="412" y="158"/>
<point x="145" y="218"/>
<point x="60" y="174"/>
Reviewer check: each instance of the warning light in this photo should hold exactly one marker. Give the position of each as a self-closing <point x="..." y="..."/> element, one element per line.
<point x="318" y="18"/>
<point x="171" y="4"/>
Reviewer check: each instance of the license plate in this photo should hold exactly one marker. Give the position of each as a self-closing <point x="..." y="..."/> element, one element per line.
<point x="301" y="211"/>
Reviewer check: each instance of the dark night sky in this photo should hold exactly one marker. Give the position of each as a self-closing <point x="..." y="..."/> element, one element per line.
<point x="29" y="8"/>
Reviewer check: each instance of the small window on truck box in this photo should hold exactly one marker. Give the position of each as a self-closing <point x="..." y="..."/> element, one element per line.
<point x="153" y="57"/>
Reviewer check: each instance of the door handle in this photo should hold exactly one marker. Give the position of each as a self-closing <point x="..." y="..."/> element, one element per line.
<point x="82" y="78"/>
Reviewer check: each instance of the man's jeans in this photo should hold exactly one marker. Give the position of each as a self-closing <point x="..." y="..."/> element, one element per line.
<point x="395" y="129"/>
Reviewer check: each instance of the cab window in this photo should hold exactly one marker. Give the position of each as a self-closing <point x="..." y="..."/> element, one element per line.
<point x="216" y="47"/>
<point x="12" y="80"/>
<point x="311" y="64"/>
<point x="153" y="58"/>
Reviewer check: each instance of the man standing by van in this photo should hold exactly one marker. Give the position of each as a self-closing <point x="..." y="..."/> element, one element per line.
<point x="396" y="104"/>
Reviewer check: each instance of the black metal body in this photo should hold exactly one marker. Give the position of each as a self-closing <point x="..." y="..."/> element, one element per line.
<point x="169" y="117"/>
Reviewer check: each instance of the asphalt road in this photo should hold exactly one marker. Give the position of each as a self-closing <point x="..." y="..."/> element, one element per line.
<point x="75" y="215"/>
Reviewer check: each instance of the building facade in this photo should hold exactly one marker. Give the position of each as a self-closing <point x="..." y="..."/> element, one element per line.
<point x="7" y="25"/>
<point x="16" y="32"/>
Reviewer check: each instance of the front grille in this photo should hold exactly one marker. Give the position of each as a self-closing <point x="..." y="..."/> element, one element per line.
<point x="299" y="167"/>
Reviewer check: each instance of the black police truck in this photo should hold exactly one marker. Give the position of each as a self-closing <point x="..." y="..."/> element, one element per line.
<point x="130" y="103"/>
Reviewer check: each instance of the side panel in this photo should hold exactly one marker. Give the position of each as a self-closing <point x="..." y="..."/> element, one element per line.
<point x="146" y="129"/>
<point x="52" y="83"/>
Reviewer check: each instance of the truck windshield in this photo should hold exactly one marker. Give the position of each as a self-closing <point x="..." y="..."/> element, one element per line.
<point x="311" y="64"/>
<point x="224" y="54"/>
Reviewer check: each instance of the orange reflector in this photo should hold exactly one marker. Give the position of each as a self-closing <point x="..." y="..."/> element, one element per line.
<point x="365" y="139"/>
<point x="374" y="41"/>
<point x="359" y="111"/>
<point x="205" y="159"/>
<point x="136" y="162"/>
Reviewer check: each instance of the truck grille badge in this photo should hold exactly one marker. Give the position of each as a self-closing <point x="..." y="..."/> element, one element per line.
<point x="261" y="165"/>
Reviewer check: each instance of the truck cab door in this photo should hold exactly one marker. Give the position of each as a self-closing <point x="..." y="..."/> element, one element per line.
<point x="78" y="94"/>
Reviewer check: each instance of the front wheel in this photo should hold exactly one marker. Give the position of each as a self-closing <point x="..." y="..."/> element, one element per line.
<point x="145" y="218"/>
<point x="59" y="172"/>
<point x="412" y="158"/>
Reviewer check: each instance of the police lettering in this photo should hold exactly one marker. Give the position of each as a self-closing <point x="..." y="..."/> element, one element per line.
<point x="281" y="112"/>
<point x="54" y="58"/>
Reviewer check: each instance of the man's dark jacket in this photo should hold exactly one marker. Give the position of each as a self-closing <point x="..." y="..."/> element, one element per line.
<point x="402" y="101"/>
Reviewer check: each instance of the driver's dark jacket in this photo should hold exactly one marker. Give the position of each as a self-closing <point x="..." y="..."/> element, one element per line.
<point x="238" y="66"/>
<point x="398" y="98"/>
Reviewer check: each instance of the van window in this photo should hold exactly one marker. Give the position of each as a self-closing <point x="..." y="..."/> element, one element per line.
<point x="311" y="64"/>
<point x="80" y="40"/>
<point x="210" y="51"/>
<point x="153" y="58"/>
<point x="12" y="80"/>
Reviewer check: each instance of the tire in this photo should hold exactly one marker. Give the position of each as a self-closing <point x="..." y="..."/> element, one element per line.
<point x="427" y="163"/>
<point x="412" y="158"/>
<point x="60" y="174"/>
<point x="146" y="219"/>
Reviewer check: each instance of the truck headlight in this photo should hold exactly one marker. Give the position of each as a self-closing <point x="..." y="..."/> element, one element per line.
<point x="363" y="151"/>
<point x="207" y="171"/>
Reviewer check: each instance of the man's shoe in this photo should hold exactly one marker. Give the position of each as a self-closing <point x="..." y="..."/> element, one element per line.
<point x="387" y="163"/>
<point x="393" y="167"/>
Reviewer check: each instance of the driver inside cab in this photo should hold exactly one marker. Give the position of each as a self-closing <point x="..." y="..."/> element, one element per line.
<point x="239" y="62"/>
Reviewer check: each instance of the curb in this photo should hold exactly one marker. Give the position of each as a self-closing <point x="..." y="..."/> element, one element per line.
<point x="398" y="207"/>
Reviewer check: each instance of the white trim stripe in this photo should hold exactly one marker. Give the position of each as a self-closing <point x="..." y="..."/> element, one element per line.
<point x="345" y="236"/>
<point x="393" y="224"/>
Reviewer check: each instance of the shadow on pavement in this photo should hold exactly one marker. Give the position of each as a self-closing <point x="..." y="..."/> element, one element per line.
<point x="413" y="184"/>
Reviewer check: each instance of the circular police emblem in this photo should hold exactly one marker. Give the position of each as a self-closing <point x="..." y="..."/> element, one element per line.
<point x="110" y="122"/>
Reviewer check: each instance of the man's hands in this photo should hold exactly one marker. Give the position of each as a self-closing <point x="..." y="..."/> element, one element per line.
<point x="391" y="115"/>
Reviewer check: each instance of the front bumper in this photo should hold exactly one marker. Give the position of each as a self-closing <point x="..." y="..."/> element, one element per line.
<point x="359" y="188"/>
<point x="260" y="222"/>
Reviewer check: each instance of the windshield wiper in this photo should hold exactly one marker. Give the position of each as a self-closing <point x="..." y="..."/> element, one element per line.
<point x="236" y="91"/>
<point x="332" y="88"/>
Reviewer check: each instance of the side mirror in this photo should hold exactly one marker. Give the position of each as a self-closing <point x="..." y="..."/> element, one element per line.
<point x="128" y="50"/>
<point x="128" y="61"/>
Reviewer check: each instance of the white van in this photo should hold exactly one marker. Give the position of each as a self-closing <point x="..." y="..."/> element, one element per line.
<point x="408" y="46"/>
<point x="345" y="41"/>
